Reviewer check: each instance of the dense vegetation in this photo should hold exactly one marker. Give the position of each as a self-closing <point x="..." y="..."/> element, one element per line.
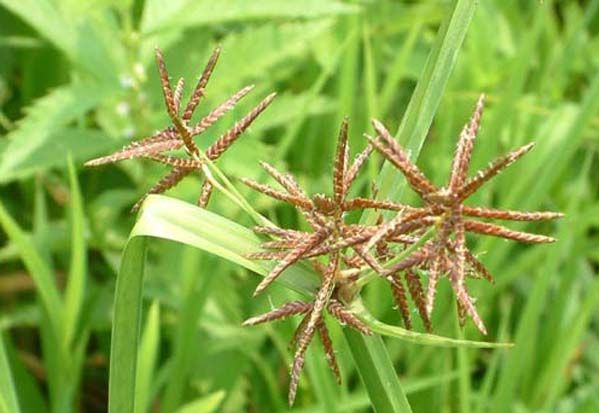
<point x="78" y="81"/>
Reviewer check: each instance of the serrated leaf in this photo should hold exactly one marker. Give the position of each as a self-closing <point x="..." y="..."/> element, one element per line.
<point x="45" y="18"/>
<point x="76" y="35"/>
<point x="37" y="139"/>
<point x="162" y="14"/>
<point x="18" y="162"/>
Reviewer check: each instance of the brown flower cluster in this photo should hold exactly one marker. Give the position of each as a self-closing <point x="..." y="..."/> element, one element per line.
<point x="181" y="132"/>
<point x="346" y="248"/>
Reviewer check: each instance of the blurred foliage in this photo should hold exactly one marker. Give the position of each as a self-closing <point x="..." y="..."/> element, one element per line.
<point x="77" y="77"/>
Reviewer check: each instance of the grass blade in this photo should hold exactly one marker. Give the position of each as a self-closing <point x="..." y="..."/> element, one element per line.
<point x="377" y="373"/>
<point x="427" y="95"/>
<point x="75" y="289"/>
<point x="125" y="328"/>
<point x="147" y="359"/>
<point x="37" y="267"/>
<point x="8" y="396"/>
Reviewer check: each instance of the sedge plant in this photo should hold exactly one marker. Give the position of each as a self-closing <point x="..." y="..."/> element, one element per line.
<point x="417" y="246"/>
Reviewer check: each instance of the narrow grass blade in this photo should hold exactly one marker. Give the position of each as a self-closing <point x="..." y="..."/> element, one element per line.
<point x="125" y="328"/>
<point x="8" y="395"/>
<point x="147" y="359"/>
<point x="75" y="289"/>
<point x="39" y="271"/>
<point x="377" y="373"/>
<point x="415" y="337"/>
<point x="428" y="93"/>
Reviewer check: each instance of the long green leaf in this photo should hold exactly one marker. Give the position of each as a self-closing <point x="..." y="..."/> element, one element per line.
<point x="75" y="289"/>
<point x="125" y="328"/>
<point x="147" y="359"/>
<point x="377" y="373"/>
<point x="425" y="100"/>
<point x="8" y="395"/>
<point x="42" y="275"/>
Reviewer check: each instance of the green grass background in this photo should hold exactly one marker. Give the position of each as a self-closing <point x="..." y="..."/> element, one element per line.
<point x="78" y="78"/>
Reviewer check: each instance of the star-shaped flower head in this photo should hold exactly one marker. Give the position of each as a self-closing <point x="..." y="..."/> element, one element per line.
<point x="325" y="215"/>
<point x="180" y="133"/>
<point x="447" y="253"/>
<point x="329" y="236"/>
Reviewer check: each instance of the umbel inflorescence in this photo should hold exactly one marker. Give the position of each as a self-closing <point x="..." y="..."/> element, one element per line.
<point x="348" y="247"/>
<point x="413" y="250"/>
<point x="181" y="132"/>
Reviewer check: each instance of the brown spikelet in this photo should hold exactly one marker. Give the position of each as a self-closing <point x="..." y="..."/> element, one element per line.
<point x="298" y="201"/>
<point x="292" y="257"/>
<point x="478" y="267"/>
<point x="220" y="111"/>
<point x="205" y="193"/>
<point x="227" y="139"/>
<point x="417" y="294"/>
<point x="340" y="167"/>
<point x="495" y="167"/>
<point x="167" y="92"/>
<point x="364" y="203"/>
<point x="266" y="255"/>
<point x="178" y="93"/>
<point x="401" y="300"/>
<point x="185" y="163"/>
<point x="160" y="142"/>
<point x="201" y="86"/>
<point x="329" y="351"/>
<point x="302" y="340"/>
<point x="395" y="224"/>
<point x="396" y="155"/>
<point x="286" y="310"/>
<point x="510" y="215"/>
<point x="278" y="232"/>
<point x="503" y="232"/>
<point x="359" y="161"/>
<point x="346" y="317"/>
<point x="464" y="148"/>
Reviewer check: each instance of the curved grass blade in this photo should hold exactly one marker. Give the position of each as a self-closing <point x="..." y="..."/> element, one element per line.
<point x="175" y="220"/>
<point x="414" y="337"/>
<point x="8" y="396"/>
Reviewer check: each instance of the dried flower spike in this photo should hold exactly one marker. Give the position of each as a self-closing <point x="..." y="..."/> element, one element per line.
<point x="180" y="134"/>
<point x="447" y="254"/>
